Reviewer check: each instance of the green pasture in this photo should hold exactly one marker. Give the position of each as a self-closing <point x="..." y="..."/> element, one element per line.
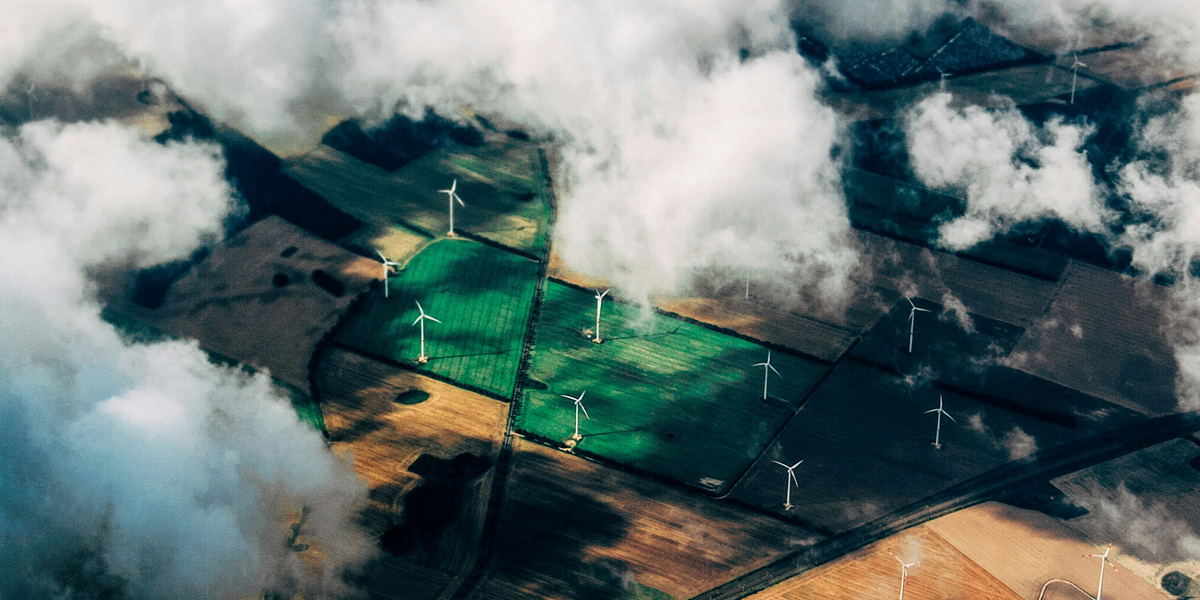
<point x="481" y="294"/>
<point x="664" y="395"/>
<point x="502" y="183"/>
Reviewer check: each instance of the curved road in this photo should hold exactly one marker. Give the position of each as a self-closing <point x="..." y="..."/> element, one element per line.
<point x="1041" y="466"/>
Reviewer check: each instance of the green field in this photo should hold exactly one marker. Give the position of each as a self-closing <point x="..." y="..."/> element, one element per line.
<point x="481" y="294"/>
<point x="664" y="395"/>
<point x="502" y="183"/>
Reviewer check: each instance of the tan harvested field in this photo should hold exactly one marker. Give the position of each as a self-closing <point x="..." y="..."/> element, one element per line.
<point x="229" y="303"/>
<point x="872" y="573"/>
<point x="1105" y="335"/>
<point x="1155" y="491"/>
<point x="362" y="416"/>
<point x="1025" y="549"/>
<point x="1129" y="68"/>
<point x="573" y="529"/>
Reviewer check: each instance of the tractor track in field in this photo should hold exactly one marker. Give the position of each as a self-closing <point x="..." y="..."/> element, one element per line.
<point x="468" y="582"/>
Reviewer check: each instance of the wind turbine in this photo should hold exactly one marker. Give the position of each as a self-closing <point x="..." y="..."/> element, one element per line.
<point x="903" y="572"/>
<point x="1075" y="74"/>
<point x="937" y="436"/>
<point x="747" y="297"/>
<point x="767" y="368"/>
<point x="599" y="302"/>
<point x="791" y="478"/>
<point x="912" y="320"/>
<point x="1103" y="562"/>
<point x="578" y="407"/>
<point x="942" y="79"/>
<point x="452" y="197"/>
<point x="387" y="264"/>
<point x="421" y="319"/>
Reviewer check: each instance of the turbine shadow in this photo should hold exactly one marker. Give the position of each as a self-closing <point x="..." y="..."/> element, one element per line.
<point x="613" y="432"/>
<point x="645" y="337"/>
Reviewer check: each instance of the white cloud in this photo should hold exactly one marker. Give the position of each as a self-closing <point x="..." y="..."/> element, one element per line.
<point x="143" y="467"/>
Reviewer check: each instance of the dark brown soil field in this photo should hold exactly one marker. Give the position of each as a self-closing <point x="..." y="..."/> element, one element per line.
<point x="1104" y="335"/>
<point x="867" y="448"/>
<point x="250" y="303"/>
<point x="573" y="529"/>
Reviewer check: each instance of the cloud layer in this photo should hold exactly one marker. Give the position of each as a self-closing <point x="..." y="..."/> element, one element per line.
<point x="139" y="468"/>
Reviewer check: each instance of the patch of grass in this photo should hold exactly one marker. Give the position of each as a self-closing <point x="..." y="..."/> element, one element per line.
<point x="664" y="395"/>
<point x="481" y="294"/>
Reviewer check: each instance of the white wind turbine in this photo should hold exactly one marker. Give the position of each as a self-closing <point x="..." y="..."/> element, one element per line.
<point x="578" y="407"/>
<point x="791" y="478"/>
<point x="452" y="196"/>
<point x="421" y="319"/>
<point x="387" y="264"/>
<point x="903" y="572"/>
<point x="599" y="302"/>
<point x="912" y="320"/>
<point x="942" y="75"/>
<point x="1075" y="74"/>
<point x="767" y="369"/>
<point x="937" y="436"/>
<point x="1103" y="563"/>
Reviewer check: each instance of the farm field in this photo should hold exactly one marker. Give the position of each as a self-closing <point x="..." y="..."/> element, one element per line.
<point x="392" y="421"/>
<point x="867" y="447"/>
<point x="1155" y="488"/>
<point x="502" y="184"/>
<point x="481" y="294"/>
<point x="872" y="573"/>
<point x="985" y="290"/>
<point x="1106" y="335"/>
<point x="663" y="395"/>
<point x="1025" y="549"/>
<point x="572" y="529"/>
<point x="254" y="305"/>
<point x="973" y="363"/>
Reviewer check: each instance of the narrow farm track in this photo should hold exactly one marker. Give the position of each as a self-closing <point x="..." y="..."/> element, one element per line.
<point x="467" y="583"/>
<point x="1040" y="466"/>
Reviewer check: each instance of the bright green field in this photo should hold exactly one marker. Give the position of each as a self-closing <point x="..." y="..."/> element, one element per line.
<point x="482" y="296"/>
<point x="664" y="395"/>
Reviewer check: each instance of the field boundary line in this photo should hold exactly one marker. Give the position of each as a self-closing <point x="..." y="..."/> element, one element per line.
<point x="414" y="369"/>
<point x="483" y="558"/>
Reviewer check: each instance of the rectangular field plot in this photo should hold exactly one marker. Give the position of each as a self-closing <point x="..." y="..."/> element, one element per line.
<point x="867" y="446"/>
<point x="663" y="395"/>
<point x="502" y="184"/>
<point x="482" y="296"/>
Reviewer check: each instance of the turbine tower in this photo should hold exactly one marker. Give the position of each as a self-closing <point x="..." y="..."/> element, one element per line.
<point x="767" y="369"/>
<point x="747" y="296"/>
<point x="599" y="302"/>
<point x="912" y="320"/>
<point x="791" y="478"/>
<point x="421" y="319"/>
<point x="578" y="407"/>
<point x="387" y="264"/>
<point x="1103" y="563"/>
<point x="942" y="75"/>
<point x="452" y="196"/>
<point x="937" y="436"/>
<point x="1075" y="74"/>
<point x="903" y="572"/>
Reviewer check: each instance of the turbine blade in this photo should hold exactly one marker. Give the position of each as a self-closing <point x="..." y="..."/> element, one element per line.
<point x="948" y="416"/>
<point x="582" y="394"/>
<point x="780" y="464"/>
<point x="759" y="365"/>
<point x="419" y="309"/>
<point x="566" y="396"/>
<point x="922" y="309"/>
<point x="454" y="185"/>
<point x="932" y="411"/>
<point x="773" y="369"/>
<point x="460" y="202"/>
<point x="584" y="409"/>
<point x="432" y="319"/>
<point x="792" y="476"/>
<point x="418" y="319"/>
<point x="797" y="464"/>
<point x="381" y="256"/>
<point x="910" y="303"/>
